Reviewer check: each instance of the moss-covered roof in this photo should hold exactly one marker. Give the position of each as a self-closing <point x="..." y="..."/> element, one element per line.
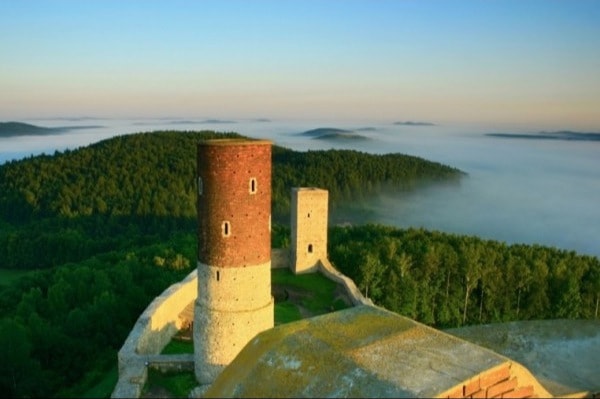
<point x="359" y="352"/>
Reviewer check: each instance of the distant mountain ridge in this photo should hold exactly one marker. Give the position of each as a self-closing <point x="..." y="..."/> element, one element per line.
<point x="329" y="133"/>
<point x="324" y="130"/>
<point x="411" y="123"/>
<point x="10" y="129"/>
<point x="341" y="136"/>
<point x="14" y="129"/>
<point x="559" y="135"/>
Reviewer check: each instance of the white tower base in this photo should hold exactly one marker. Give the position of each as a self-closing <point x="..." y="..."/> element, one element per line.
<point x="241" y="307"/>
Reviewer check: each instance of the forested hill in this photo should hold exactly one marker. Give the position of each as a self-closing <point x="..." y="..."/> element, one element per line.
<point x="153" y="174"/>
<point x="12" y="129"/>
<point x="446" y="280"/>
<point x="9" y="129"/>
<point x="96" y="233"/>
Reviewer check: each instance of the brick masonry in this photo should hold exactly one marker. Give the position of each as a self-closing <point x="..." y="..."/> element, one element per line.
<point x="228" y="172"/>
<point x="497" y="382"/>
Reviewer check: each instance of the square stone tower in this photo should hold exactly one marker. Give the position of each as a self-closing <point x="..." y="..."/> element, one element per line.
<point x="234" y="300"/>
<point x="309" y="212"/>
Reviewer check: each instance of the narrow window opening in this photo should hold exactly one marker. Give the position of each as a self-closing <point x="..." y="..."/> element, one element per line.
<point x="200" y="186"/>
<point x="308" y="215"/>
<point x="226" y="229"/>
<point x="253" y="185"/>
<point x="218" y="275"/>
<point x="310" y="248"/>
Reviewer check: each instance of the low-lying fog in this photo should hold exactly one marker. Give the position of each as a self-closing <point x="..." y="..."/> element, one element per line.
<point x="518" y="190"/>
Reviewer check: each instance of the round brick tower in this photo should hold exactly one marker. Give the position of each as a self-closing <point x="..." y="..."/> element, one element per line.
<point x="234" y="251"/>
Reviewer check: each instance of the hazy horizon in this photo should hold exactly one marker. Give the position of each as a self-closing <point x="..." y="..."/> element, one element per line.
<point x="530" y="63"/>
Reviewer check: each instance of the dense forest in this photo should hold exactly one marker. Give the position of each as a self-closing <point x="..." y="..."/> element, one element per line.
<point x="62" y="327"/>
<point x="98" y="232"/>
<point x="153" y="174"/>
<point x="447" y="280"/>
<point x="72" y="205"/>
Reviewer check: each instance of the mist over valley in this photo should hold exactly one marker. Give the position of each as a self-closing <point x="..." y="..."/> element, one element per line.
<point x="517" y="190"/>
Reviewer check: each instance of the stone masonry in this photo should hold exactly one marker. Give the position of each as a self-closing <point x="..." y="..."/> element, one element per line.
<point x="309" y="228"/>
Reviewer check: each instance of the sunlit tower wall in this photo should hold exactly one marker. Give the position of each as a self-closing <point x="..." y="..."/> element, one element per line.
<point x="309" y="212"/>
<point x="234" y="251"/>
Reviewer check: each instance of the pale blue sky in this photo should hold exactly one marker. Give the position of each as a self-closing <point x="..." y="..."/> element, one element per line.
<point x="522" y="62"/>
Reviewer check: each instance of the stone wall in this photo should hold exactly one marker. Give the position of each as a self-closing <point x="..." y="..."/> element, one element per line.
<point x="151" y="333"/>
<point x="171" y="363"/>
<point x="280" y="258"/>
<point x="327" y="269"/>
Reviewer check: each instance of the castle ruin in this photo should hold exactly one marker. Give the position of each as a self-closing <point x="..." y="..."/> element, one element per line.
<point x="237" y="352"/>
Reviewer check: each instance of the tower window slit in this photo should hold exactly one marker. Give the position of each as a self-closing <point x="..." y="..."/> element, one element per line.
<point x="253" y="185"/>
<point x="226" y="229"/>
<point x="310" y="248"/>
